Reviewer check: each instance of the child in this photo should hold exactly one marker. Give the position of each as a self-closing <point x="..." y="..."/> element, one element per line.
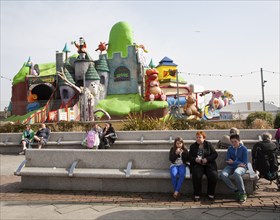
<point x="178" y="157"/>
<point x="92" y="139"/>
<point x="237" y="160"/>
<point x="26" y="138"/>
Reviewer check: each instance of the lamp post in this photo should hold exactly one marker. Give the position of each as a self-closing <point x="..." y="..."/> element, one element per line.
<point x="263" y="84"/>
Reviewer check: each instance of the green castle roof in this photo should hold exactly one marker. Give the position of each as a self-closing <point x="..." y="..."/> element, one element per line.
<point x="101" y="64"/>
<point x="91" y="73"/>
<point x="68" y="76"/>
<point x="70" y="69"/>
<point x="151" y="64"/>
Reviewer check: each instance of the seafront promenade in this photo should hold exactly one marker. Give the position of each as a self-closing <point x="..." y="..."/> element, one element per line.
<point x="42" y="204"/>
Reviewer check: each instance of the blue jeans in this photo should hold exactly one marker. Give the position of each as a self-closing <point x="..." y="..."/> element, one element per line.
<point x="237" y="175"/>
<point x="177" y="174"/>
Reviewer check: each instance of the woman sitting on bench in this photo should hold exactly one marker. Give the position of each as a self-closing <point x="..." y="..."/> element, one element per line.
<point x="203" y="161"/>
<point x="108" y="136"/>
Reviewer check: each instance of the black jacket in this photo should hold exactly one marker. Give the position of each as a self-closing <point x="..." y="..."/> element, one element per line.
<point x="173" y="156"/>
<point x="210" y="154"/>
<point x="267" y="147"/>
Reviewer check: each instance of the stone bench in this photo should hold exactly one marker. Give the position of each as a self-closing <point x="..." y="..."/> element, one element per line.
<point x="109" y="170"/>
<point x="165" y="144"/>
<point x="9" y="142"/>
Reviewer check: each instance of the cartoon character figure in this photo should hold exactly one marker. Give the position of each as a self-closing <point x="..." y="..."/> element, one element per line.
<point x="141" y="46"/>
<point x="216" y="100"/>
<point x="228" y="98"/>
<point x="33" y="104"/>
<point x="34" y="70"/>
<point x="102" y="47"/>
<point x="141" y="50"/>
<point x="153" y="91"/>
<point x="31" y="97"/>
<point x="190" y="108"/>
<point x="82" y="47"/>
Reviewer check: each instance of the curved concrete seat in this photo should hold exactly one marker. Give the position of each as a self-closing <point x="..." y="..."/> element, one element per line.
<point x="109" y="170"/>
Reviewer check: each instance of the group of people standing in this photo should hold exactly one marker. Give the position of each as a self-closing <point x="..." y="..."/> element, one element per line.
<point x="201" y="158"/>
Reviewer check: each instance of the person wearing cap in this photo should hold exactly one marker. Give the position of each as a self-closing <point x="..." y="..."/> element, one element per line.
<point x="224" y="143"/>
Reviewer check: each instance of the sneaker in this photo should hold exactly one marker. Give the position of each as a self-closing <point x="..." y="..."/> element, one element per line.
<point x="237" y="195"/>
<point x="22" y="152"/>
<point x="211" y="198"/>
<point x="242" y="197"/>
<point x="176" y="195"/>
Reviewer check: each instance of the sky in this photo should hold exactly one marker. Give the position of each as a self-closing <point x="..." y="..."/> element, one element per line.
<point x="216" y="44"/>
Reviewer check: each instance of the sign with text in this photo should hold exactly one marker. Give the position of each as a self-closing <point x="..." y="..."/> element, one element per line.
<point x="122" y="73"/>
<point x="40" y="79"/>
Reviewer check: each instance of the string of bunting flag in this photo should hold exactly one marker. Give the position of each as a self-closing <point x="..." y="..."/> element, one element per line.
<point x="230" y="76"/>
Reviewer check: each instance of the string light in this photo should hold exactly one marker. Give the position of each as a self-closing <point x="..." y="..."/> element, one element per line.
<point x="268" y="71"/>
<point x="220" y="75"/>
<point x="6" y="78"/>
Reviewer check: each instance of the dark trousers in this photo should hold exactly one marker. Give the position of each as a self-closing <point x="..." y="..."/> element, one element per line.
<point x="212" y="178"/>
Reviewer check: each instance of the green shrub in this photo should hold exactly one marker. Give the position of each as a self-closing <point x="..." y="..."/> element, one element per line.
<point x="277" y="120"/>
<point x="12" y="127"/>
<point x="137" y="122"/>
<point x="183" y="124"/>
<point x="260" y="124"/>
<point x="266" y="116"/>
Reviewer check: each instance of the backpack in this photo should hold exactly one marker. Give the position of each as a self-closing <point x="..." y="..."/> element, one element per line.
<point x="266" y="163"/>
<point x="92" y="139"/>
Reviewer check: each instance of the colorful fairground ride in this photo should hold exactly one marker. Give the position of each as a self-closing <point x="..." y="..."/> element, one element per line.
<point x="118" y="83"/>
<point x="78" y="88"/>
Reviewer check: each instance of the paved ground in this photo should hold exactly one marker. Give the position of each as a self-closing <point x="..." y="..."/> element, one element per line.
<point x="42" y="204"/>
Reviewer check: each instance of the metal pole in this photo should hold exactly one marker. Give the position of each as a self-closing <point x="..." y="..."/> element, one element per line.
<point x="84" y="82"/>
<point x="178" y="97"/>
<point x="263" y="101"/>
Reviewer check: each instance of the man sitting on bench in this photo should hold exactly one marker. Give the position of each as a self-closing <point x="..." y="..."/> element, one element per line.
<point x="42" y="135"/>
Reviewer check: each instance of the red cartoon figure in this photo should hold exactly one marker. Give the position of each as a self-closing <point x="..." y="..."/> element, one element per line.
<point x="82" y="47"/>
<point x="153" y="91"/>
<point x="102" y="47"/>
